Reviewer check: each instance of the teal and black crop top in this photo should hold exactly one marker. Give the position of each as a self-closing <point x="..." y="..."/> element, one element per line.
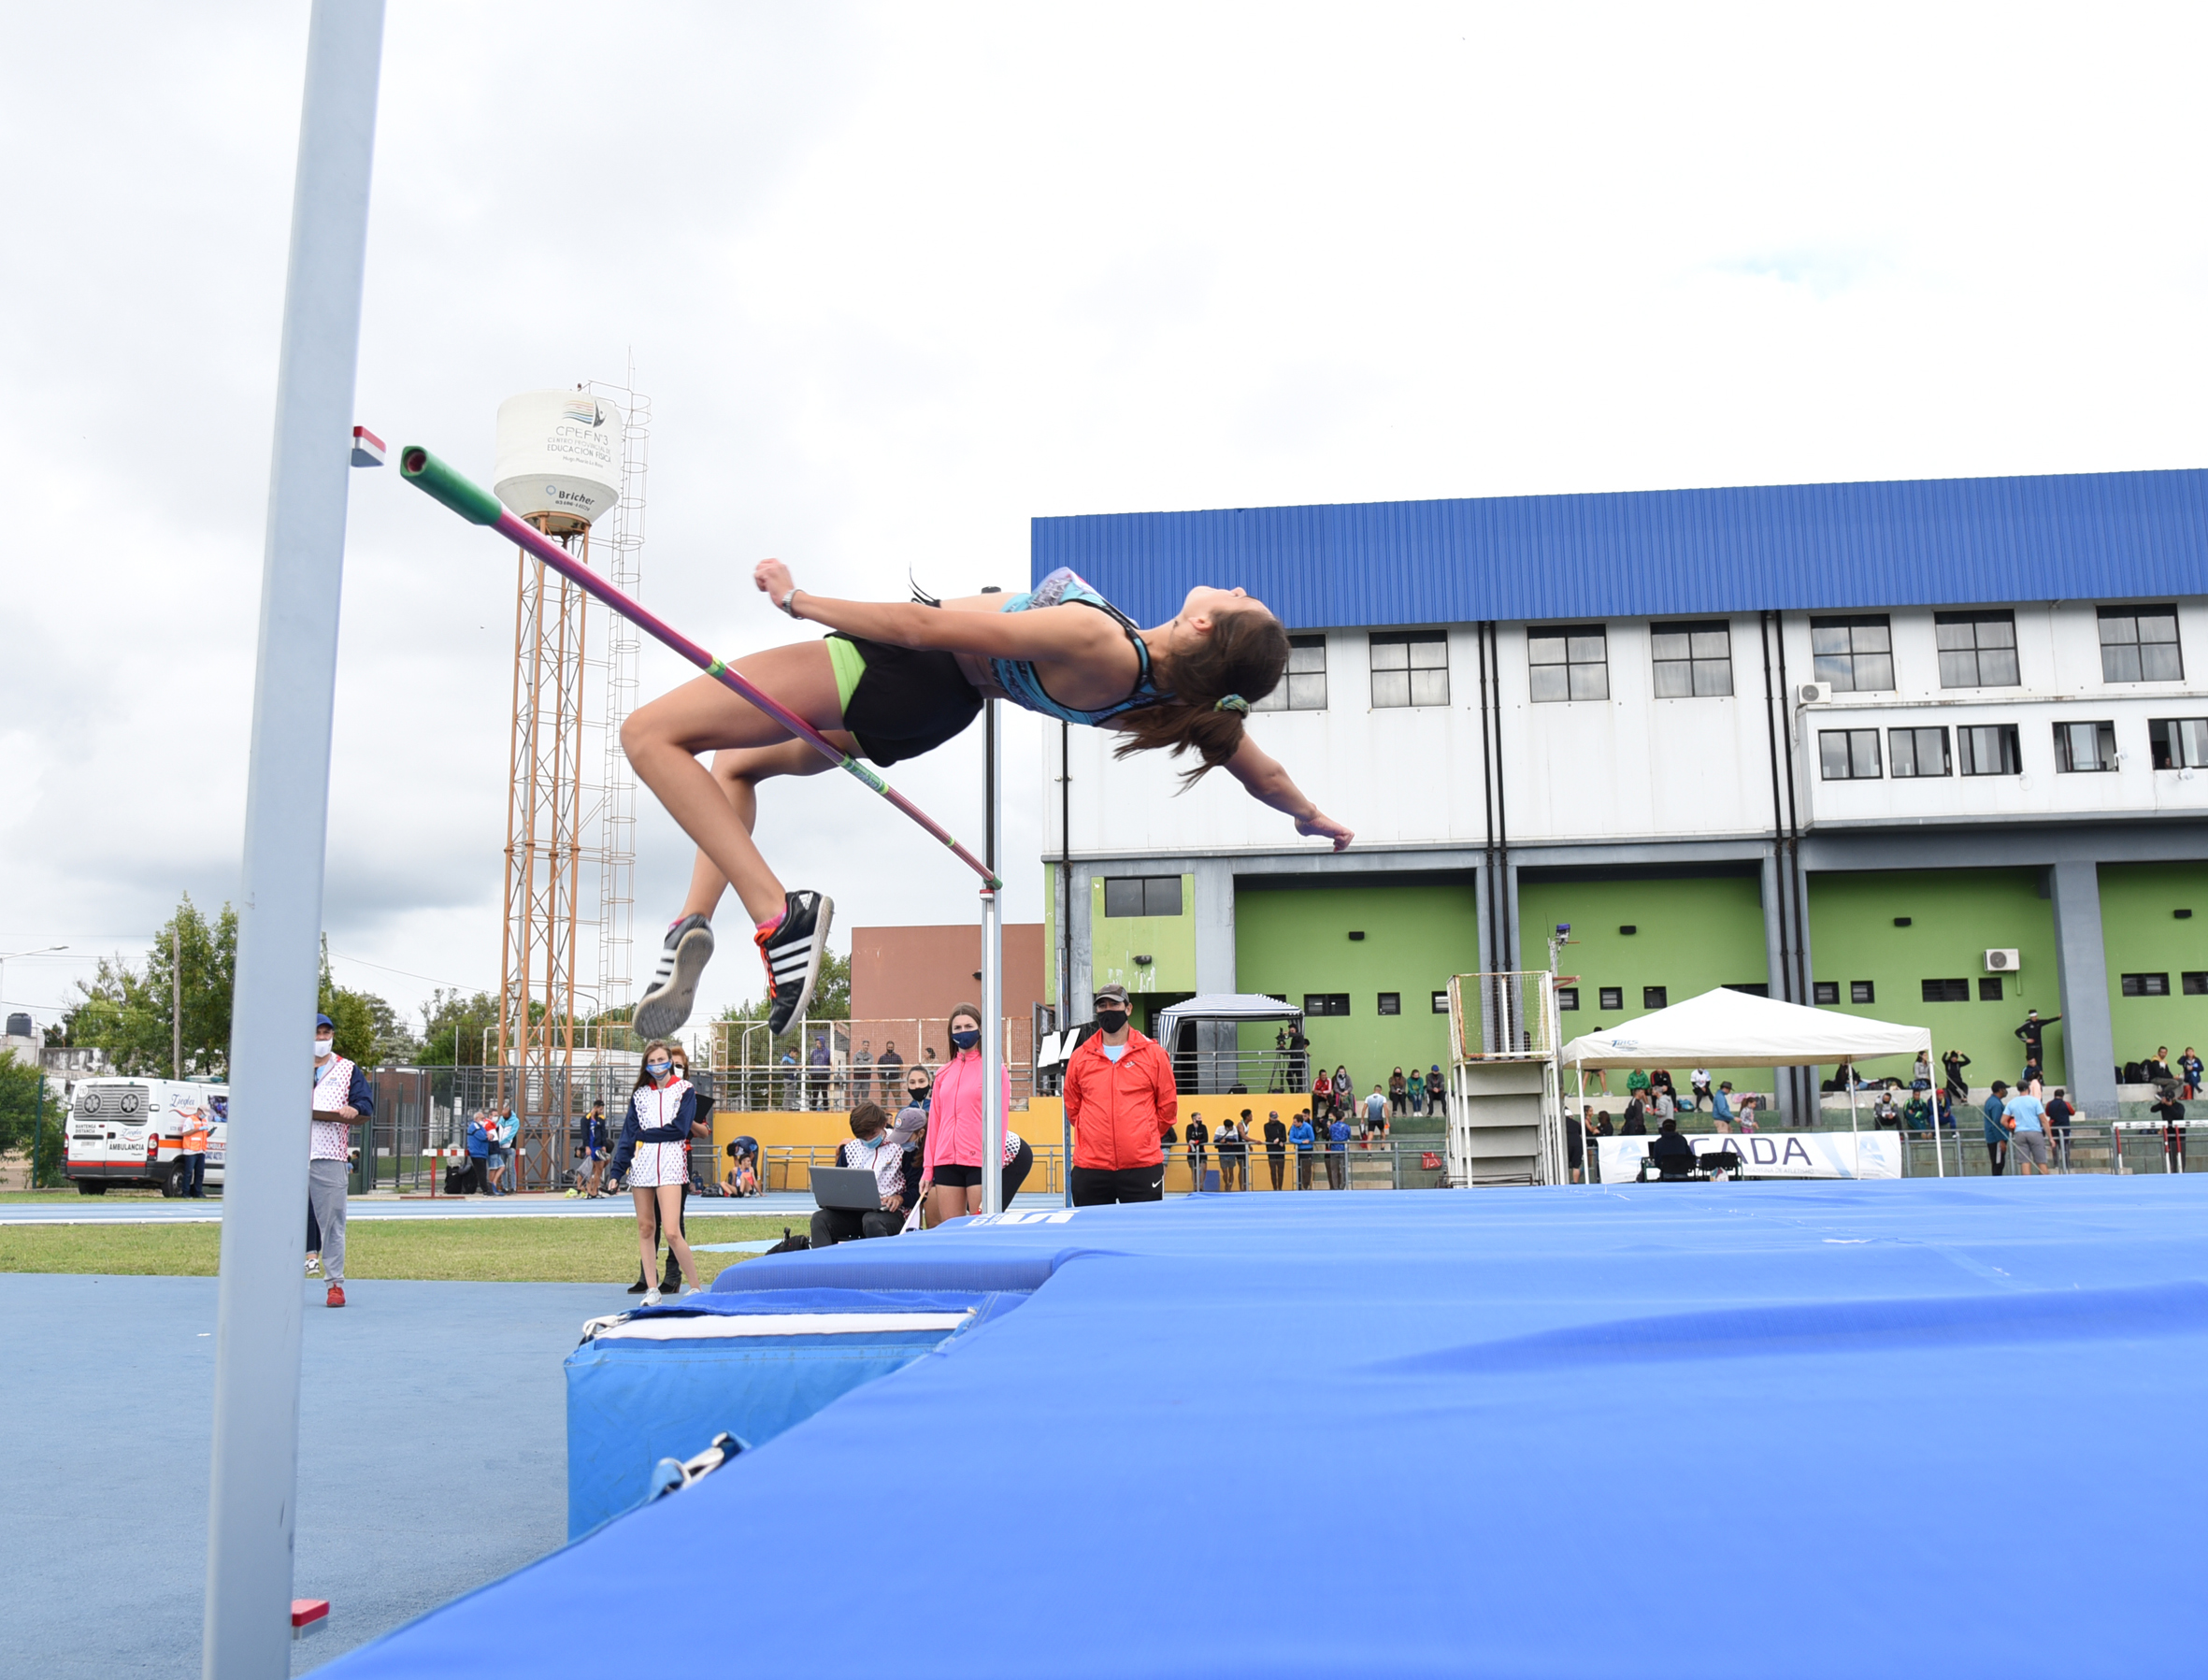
<point x="1022" y="686"/>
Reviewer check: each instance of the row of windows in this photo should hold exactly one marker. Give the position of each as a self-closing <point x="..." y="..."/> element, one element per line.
<point x="1385" y="1003"/>
<point x="1693" y="659"/>
<point x="1994" y="750"/>
<point x="2195" y="982"/>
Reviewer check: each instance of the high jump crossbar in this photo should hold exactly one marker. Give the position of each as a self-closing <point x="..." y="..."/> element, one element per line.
<point x="478" y="505"/>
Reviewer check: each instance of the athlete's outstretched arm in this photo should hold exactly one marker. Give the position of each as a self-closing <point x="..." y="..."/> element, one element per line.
<point x="1261" y="773"/>
<point x="958" y="627"/>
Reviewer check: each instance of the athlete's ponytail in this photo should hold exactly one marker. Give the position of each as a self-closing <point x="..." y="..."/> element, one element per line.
<point x="1213" y="682"/>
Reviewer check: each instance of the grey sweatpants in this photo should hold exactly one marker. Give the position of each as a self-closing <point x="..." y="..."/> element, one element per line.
<point x="325" y="1195"/>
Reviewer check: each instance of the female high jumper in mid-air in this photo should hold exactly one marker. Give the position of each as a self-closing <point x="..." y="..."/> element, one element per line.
<point x="894" y="679"/>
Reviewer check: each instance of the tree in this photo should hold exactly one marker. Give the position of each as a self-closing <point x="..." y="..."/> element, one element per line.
<point x="355" y="1015"/>
<point x="128" y="1015"/>
<point x="453" y="1027"/>
<point x="19" y="1083"/>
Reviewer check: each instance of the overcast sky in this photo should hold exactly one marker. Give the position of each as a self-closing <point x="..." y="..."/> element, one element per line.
<point x="899" y="278"/>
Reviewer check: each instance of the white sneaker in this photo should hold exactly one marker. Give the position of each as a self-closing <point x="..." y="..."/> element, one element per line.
<point x="650" y="1297"/>
<point x="314" y="1265"/>
<point x="665" y="1002"/>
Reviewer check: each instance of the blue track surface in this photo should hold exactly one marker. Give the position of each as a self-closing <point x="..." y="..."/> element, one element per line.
<point x="432" y="1458"/>
<point x="1748" y="1429"/>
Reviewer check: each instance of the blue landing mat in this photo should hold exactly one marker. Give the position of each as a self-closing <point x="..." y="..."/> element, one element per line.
<point x="1736" y="1429"/>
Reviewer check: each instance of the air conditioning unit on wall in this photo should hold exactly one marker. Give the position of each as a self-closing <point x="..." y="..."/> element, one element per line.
<point x="2002" y="962"/>
<point x="1815" y="693"/>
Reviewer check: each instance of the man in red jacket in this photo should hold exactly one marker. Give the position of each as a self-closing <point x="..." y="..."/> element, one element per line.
<point x="1121" y="1099"/>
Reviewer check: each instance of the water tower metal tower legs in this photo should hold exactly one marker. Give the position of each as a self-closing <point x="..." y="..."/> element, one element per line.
<point x="543" y="863"/>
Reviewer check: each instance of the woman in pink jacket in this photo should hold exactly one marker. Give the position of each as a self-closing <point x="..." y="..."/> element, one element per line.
<point x="951" y="1170"/>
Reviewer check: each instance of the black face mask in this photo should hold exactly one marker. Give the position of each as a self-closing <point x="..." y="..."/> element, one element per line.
<point x="1111" y="1020"/>
<point x="915" y="1095"/>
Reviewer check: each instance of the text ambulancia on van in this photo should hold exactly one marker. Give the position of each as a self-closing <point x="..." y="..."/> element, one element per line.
<point x="130" y="1131"/>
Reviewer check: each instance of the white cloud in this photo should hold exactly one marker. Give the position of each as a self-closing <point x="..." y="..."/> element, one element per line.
<point x="900" y="277"/>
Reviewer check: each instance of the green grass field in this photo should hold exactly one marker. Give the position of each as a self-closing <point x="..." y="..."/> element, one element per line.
<point x="498" y="1251"/>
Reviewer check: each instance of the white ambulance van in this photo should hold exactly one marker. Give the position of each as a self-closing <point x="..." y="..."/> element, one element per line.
<point x="129" y="1131"/>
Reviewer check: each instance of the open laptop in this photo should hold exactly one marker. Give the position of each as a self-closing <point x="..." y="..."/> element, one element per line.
<point x="847" y="1189"/>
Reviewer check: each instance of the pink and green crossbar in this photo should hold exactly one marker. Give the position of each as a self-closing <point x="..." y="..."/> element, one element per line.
<point x="478" y="505"/>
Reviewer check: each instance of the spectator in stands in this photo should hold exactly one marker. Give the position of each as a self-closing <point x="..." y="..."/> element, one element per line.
<point x="1322" y="1097"/>
<point x="1121" y="1099"/>
<point x="2028" y="1076"/>
<point x="1637" y="1085"/>
<point x="1398" y="1094"/>
<point x="2171" y="1114"/>
<point x="1375" y="1113"/>
<point x="1276" y="1145"/>
<point x="1673" y="1155"/>
<point x="1303" y="1137"/>
<point x="1916" y="1113"/>
<point x="1885" y="1113"/>
<point x="862" y="1074"/>
<point x="1416" y="1085"/>
<point x="1721" y="1106"/>
<point x="1575" y="1143"/>
<point x="1636" y="1121"/>
<point x="2060" y="1113"/>
<point x="1659" y="1079"/>
<point x="1997" y="1128"/>
<point x="2158" y="1071"/>
<point x="871" y="1148"/>
<point x="890" y="1069"/>
<point x="1435" y="1089"/>
<point x="951" y="1180"/>
<point x="1958" y="1088"/>
<point x="1232" y="1141"/>
<point x="1298" y="1057"/>
<point x="1663" y="1107"/>
<point x="1601" y="1128"/>
<point x="1193" y="1136"/>
<point x="1698" y="1087"/>
<point x="1344" y="1092"/>
<point x="1336" y="1152"/>
<point x="1744" y="1112"/>
<point x="2190" y="1071"/>
<point x="2033" y="1034"/>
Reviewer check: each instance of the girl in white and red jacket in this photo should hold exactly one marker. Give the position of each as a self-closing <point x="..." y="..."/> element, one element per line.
<point x="663" y="1109"/>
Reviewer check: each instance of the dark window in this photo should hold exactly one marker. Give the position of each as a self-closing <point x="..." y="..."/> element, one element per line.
<point x="1947" y="991"/>
<point x="1440" y="1003"/>
<point x="1825" y="991"/>
<point x="1989" y="989"/>
<point x="1303" y="686"/>
<point x="1988" y="749"/>
<point x="1611" y="997"/>
<point x="2195" y="982"/>
<point x="2139" y="644"/>
<point x="2146" y="986"/>
<point x="1568" y="662"/>
<point x="1325" y="1003"/>
<point x="1752" y="989"/>
<point x="1854" y="654"/>
<point x="1977" y="649"/>
<point x="1916" y="751"/>
<point x="2179" y="743"/>
<point x="1391" y="1003"/>
<point x="1692" y="659"/>
<point x="1409" y="668"/>
<point x="1848" y="754"/>
<point x="2085" y="746"/>
<point x="1862" y="991"/>
<point x="1566" y="997"/>
<point x="1651" y="997"/>
<point x="1141" y="894"/>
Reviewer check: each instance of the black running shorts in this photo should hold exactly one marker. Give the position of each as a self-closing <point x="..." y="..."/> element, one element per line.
<point x="908" y="700"/>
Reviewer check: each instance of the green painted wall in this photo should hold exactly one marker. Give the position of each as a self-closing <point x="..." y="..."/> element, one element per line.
<point x="1297" y="941"/>
<point x="1170" y="941"/>
<point x="1692" y="935"/>
<point x="2142" y="937"/>
<point x="1956" y="915"/>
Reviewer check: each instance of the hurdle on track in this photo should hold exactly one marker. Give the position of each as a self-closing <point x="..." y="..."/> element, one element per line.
<point x="478" y="505"/>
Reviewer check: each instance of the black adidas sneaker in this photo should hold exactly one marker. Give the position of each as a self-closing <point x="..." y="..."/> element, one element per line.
<point x="792" y="951"/>
<point x="665" y="1002"/>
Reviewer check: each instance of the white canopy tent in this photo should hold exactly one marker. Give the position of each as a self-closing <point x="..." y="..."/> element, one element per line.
<point x="1725" y="1028"/>
<point x="1223" y="1006"/>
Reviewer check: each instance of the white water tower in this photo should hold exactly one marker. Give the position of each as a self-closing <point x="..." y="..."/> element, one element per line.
<point x="559" y="458"/>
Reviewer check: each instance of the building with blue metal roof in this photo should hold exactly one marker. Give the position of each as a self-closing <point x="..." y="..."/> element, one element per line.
<point x="1932" y="750"/>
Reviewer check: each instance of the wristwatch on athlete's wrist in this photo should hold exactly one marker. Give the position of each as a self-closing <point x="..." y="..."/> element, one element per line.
<point x="784" y="602"/>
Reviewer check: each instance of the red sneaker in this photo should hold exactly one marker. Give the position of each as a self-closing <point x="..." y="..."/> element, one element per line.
<point x="336" y="1297"/>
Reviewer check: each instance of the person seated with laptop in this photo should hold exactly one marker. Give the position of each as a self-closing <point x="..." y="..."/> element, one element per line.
<point x="863" y="1195"/>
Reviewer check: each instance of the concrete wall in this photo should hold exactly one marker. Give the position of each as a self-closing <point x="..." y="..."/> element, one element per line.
<point x="903" y="972"/>
<point x="2143" y="935"/>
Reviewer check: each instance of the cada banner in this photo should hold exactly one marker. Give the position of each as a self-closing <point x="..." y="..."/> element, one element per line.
<point x="1771" y="1154"/>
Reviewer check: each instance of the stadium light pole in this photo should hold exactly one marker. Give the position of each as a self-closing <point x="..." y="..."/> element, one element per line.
<point x="254" y="1479"/>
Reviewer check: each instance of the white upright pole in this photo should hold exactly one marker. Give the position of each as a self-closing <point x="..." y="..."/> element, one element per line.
<point x="254" y="1474"/>
<point x="992" y="977"/>
<point x="1855" y="1133"/>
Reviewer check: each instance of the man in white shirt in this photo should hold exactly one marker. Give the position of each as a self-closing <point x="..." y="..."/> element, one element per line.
<point x="342" y="1094"/>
